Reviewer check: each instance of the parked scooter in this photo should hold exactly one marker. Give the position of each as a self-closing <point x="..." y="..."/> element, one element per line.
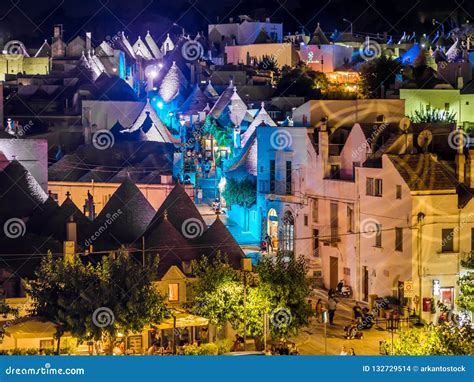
<point x="343" y="290"/>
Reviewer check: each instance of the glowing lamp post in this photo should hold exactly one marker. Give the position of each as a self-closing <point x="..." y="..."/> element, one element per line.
<point x="151" y="72"/>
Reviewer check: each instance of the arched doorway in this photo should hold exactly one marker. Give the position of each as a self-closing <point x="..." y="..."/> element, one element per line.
<point x="272" y="227"/>
<point x="288" y="233"/>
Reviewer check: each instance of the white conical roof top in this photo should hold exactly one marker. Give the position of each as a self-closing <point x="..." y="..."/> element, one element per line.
<point x="127" y="45"/>
<point x="210" y="91"/>
<point x="152" y="46"/>
<point x="173" y="83"/>
<point x="262" y="116"/>
<point x="141" y="49"/>
<point x="158" y="132"/>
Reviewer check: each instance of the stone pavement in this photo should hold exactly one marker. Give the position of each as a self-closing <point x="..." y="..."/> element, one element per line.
<point x="310" y="341"/>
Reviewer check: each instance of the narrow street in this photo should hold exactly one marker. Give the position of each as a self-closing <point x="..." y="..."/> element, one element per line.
<point x="310" y="341"/>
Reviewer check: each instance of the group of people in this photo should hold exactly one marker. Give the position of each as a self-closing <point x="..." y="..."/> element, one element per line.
<point x="269" y="243"/>
<point x="196" y="163"/>
<point x="330" y="307"/>
<point x="283" y="348"/>
<point x="345" y="352"/>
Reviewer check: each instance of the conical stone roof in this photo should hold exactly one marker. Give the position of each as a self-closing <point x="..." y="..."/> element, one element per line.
<point x="127" y="214"/>
<point x="182" y="214"/>
<point x="20" y="193"/>
<point x="218" y="239"/>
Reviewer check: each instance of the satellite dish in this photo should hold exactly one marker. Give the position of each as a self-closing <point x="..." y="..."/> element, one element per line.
<point x="424" y="139"/>
<point x="404" y="124"/>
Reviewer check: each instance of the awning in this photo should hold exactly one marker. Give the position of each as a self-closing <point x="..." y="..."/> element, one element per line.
<point x="31" y="327"/>
<point x="183" y="319"/>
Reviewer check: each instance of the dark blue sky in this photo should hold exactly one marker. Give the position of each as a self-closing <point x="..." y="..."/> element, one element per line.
<point x="33" y="19"/>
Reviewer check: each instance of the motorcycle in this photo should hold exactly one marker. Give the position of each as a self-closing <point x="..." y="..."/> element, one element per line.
<point x="345" y="291"/>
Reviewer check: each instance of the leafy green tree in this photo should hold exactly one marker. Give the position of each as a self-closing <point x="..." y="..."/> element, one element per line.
<point x="283" y="283"/>
<point x="269" y="63"/>
<point x="377" y="72"/>
<point x="465" y="300"/>
<point x="430" y="114"/>
<point x="443" y="339"/>
<point x="58" y="294"/>
<point x="127" y="289"/>
<point x="222" y="135"/>
<point x="96" y="301"/>
<point x="218" y="291"/>
<point x="301" y="81"/>
<point x="278" y="289"/>
<point x="5" y="310"/>
<point x="242" y="192"/>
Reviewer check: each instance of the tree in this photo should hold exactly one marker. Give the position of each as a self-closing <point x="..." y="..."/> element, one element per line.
<point x="301" y="81"/>
<point x="443" y="339"/>
<point x="277" y="289"/>
<point x="96" y="301"/>
<point x="430" y="114"/>
<point x="284" y="285"/>
<point x="58" y="294"/>
<point x="377" y="72"/>
<point x="222" y="135"/>
<point x="217" y="292"/>
<point x="269" y="63"/>
<point x="241" y="192"/>
<point x="6" y="310"/>
<point x="127" y="289"/>
<point x="465" y="300"/>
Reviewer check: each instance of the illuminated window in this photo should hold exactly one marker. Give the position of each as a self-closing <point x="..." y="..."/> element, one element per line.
<point x="288" y="232"/>
<point x="173" y="292"/>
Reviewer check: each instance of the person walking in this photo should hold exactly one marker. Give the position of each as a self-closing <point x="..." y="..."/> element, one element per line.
<point x="332" y="305"/>
<point x="199" y="195"/>
<point x="319" y="310"/>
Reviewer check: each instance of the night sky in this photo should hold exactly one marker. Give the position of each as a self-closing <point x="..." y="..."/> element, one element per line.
<point x="31" y="20"/>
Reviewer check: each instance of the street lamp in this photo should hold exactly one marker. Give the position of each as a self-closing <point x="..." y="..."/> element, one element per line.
<point x="350" y="22"/>
<point x="179" y="26"/>
<point x="392" y="325"/>
<point x="436" y="22"/>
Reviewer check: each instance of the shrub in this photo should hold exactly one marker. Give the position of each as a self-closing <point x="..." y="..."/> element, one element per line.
<point x="204" y="349"/>
<point x="224" y="346"/>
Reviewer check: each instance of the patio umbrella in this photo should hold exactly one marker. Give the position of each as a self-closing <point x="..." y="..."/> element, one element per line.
<point x="183" y="319"/>
<point x="31" y="327"/>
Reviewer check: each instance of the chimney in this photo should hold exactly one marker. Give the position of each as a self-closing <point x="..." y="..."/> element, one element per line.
<point x="88" y="41"/>
<point x="58" y="31"/>
<point x="71" y="230"/>
<point x="69" y="245"/>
